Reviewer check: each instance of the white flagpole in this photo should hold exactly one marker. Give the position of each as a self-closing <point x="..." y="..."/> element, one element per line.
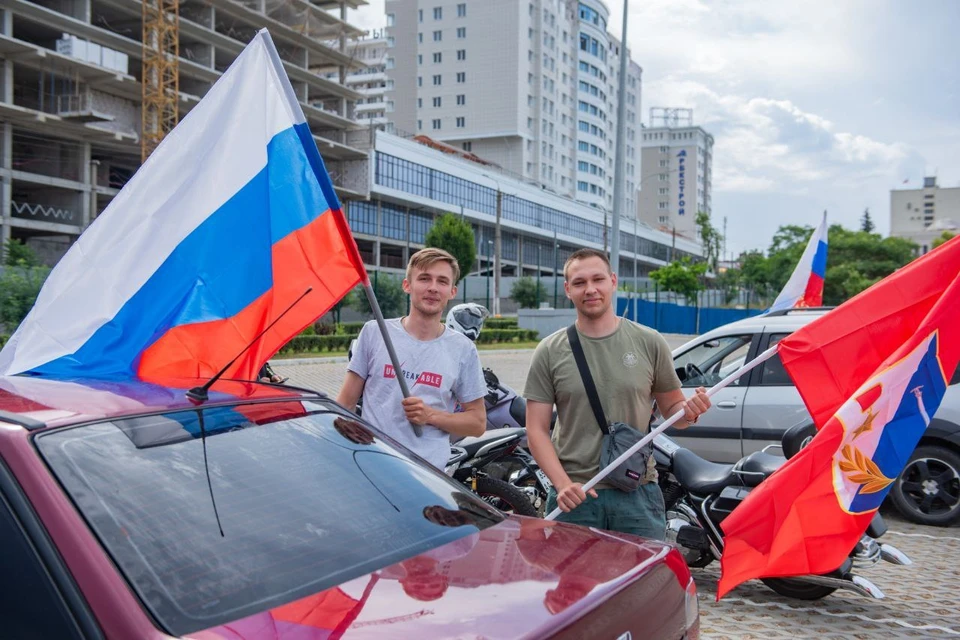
<point x="766" y="355"/>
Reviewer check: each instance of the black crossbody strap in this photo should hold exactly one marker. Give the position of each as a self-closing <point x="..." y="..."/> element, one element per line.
<point x="588" y="383"/>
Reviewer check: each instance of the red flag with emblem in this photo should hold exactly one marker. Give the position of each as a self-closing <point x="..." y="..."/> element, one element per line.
<point x="872" y="373"/>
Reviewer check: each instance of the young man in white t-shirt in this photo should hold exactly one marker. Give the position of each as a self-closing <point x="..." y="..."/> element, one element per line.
<point x="441" y="367"/>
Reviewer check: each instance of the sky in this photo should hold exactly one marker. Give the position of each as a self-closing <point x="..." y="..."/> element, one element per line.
<point x="813" y="106"/>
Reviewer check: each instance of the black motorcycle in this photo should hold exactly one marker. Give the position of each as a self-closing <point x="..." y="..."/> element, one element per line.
<point x="477" y="461"/>
<point x="698" y="495"/>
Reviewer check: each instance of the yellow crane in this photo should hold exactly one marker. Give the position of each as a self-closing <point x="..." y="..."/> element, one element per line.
<point x="161" y="72"/>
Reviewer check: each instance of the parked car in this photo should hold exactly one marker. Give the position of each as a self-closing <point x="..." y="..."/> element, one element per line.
<point x="126" y="511"/>
<point x="756" y="410"/>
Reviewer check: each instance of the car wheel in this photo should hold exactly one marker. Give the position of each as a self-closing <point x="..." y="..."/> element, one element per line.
<point x="928" y="489"/>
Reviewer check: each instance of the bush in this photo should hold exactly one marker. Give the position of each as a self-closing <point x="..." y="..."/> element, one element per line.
<point x="317" y="344"/>
<point x="501" y="323"/>
<point x="3" y="340"/>
<point x="498" y="336"/>
<point x="19" y="288"/>
<point x="528" y="293"/>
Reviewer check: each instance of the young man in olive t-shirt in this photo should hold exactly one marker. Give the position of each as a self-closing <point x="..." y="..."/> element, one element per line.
<point x="632" y="367"/>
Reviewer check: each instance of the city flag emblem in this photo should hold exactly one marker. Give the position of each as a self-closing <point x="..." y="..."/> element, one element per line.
<point x="882" y="425"/>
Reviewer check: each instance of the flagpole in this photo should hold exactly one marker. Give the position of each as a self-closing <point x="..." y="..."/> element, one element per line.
<point x="394" y="360"/>
<point x="766" y="355"/>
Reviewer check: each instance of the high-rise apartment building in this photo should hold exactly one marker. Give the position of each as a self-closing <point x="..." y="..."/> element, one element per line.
<point x="924" y="214"/>
<point x="530" y="86"/>
<point x="370" y="81"/>
<point x="677" y="171"/>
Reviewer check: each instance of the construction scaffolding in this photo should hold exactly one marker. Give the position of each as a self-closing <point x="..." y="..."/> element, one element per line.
<point x="161" y="72"/>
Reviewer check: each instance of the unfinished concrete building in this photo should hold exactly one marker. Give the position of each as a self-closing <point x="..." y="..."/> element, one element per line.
<point x="70" y="98"/>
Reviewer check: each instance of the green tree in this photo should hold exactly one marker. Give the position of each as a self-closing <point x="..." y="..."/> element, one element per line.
<point x="455" y="236"/>
<point x="710" y="238"/>
<point x="866" y="222"/>
<point x="19" y="288"/>
<point x="943" y="237"/>
<point x="755" y="273"/>
<point x="855" y="259"/>
<point x="528" y="293"/>
<point x="729" y="281"/>
<point x="17" y="254"/>
<point x="390" y="296"/>
<point x="682" y="277"/>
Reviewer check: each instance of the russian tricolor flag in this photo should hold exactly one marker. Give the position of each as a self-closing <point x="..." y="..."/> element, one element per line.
<point x="229" y="221"/>
<point x="805" y="286"/>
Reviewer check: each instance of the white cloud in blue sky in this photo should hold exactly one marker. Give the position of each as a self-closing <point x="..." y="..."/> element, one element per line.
<point x="814" y="105"/>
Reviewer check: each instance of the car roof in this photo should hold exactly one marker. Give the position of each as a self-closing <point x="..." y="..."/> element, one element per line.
<point x="791" y="320"/>
<point x="37" y="402"/>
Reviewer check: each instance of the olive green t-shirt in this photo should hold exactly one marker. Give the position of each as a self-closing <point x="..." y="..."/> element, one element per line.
<point x="627" y="366"/>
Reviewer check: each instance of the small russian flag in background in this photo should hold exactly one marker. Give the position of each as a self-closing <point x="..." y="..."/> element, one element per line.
<point x="229" y="221"/>
<point x="805" y="286"/>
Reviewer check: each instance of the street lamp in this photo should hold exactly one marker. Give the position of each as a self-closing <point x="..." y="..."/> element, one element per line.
<point x="539" y="246"/>
<point x="489" y="269"/>
<point x="556" y="249"/>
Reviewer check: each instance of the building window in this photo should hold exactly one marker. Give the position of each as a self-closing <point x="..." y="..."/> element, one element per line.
<point x="436" y="102"/>
<point x="660" y="205"/>
<point x="467" y="146"/>
<point x="437" y="80"/>
<point x="461" y="99"/>
<point x="461" y="54"/>
<point x="419" y="124"/>
<point x="436" y="123"/>
<point x="462" y="10"/>
<point x="419" y="81"/>
<point x="437" y="57"/>
<point x="461" y="122"/>
<point x="663" y="163"/>
<point x="437" y="36"/>
<point x="419" y="59"/>
<point x="420" y="15"/>
<point x="438" y="13"/>
<point x="461" y="32"/>
<point x="420" y="38"/>
<point x="391" y="20"/>
<point x="419" y="103"/>
<point x="461" y="77"/>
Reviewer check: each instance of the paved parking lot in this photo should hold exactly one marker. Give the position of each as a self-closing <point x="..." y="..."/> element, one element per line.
<point x="923" y="600"/>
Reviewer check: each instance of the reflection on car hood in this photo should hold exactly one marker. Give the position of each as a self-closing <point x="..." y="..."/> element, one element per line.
<point x="521" y="578"/>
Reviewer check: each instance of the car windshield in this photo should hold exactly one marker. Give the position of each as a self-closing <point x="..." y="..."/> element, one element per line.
<point x="710" y="362"/>
<point x="278" y="501"/>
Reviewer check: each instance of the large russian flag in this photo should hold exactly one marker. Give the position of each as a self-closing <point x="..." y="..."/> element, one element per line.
<point x="805" y="286"/>
<point x="229" y="221"/>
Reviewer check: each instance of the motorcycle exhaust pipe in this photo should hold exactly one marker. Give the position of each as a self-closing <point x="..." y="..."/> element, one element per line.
<point x="857" y="584"/>
<point x="893" y="555"/>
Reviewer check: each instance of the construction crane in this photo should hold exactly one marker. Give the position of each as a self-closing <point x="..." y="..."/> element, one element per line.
<point x="161" y="72"/>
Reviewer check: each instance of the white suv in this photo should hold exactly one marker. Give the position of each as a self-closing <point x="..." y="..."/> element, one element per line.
<point x="757" y="409"/>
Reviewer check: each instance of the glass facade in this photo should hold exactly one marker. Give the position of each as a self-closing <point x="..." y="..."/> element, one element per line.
<point x="403" y="175"/>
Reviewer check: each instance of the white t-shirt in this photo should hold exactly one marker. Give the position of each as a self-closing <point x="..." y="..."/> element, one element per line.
<point x="442" y="371"/>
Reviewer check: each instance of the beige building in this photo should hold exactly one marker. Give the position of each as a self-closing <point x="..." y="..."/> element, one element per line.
<point x="677" y="172"/>
<point x="921" y="215"/>
<point x="529" y="86"/>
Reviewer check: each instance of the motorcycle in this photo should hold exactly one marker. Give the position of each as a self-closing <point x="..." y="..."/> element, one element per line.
<point x="471" y="458"/>
<point x="698" y="495"/>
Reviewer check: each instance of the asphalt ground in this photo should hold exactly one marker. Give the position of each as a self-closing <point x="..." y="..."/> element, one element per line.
<point x="922" y="600"/>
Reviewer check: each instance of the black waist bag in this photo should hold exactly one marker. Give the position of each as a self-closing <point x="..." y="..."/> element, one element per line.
<point x="618" y="437"/>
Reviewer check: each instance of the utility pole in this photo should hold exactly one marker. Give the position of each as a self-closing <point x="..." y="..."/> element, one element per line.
<point x="618" y="179"/>
<point x="496" y="256"/>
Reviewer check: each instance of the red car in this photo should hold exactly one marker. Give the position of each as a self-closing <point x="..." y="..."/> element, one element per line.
<point x="128" y="512"/>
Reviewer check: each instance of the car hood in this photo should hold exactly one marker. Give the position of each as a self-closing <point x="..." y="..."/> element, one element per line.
<point x="523" y="578"/>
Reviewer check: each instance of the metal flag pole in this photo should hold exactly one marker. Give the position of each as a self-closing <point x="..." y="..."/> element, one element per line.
<point x="766" y="355"/>
<point x="394" y="360"/>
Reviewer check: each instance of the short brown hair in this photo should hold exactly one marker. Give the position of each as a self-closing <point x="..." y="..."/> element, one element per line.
<point x="425" y="258"/>
<point x="583" y="254"/>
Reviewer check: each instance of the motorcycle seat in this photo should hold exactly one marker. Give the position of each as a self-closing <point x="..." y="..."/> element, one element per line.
<point x="701" y="476"/>
<point x="518" y="410"/>
<point x="474" y="444"/>
<point x="760" y="462"/>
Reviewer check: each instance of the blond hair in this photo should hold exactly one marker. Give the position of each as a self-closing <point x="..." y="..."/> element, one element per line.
<point x="425" y="258"/>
